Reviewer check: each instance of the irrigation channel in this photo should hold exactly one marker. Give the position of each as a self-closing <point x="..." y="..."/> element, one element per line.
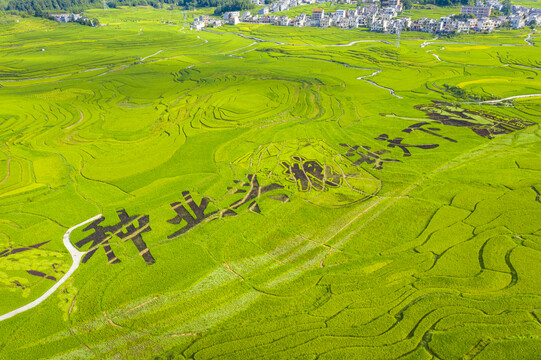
<point x="75" y="256"/>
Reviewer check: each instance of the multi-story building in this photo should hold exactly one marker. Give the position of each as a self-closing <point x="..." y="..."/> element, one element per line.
<point x="230" y="14"/>
<point x="391" y="3"/>
<point x="477" y="11"/>
<point x="317" y="16"/>
<point x="484" y="25"/>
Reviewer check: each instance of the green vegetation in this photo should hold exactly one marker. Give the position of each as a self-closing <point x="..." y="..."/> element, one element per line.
<point x="528" y="3"/>
<point x="431" y="12"/>
<point x="307" y="9"/>
<point x="315" y="193"/>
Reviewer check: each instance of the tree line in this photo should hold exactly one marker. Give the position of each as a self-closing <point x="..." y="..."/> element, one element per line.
<point x="40" y="7"/>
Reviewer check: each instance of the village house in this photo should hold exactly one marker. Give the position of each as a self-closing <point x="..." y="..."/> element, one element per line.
<point x="66" y="18"/>
<point x="477" y="11"/>
<point x="317" y="16"/>
<point x="381" y="19"/>
<point x="517" y="21"/>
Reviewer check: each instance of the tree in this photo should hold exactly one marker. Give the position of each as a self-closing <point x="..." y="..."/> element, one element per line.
<point x="408" y="4"/>
<point x="508" y="8"/>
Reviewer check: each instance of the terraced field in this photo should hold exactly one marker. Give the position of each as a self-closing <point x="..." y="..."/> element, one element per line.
<point x="268" y="192"/>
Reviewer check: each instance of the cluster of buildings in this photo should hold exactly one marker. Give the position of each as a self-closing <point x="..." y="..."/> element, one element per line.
<point x="66" y="18"/>
<point x="382" y="16"/>
<point x="523" y="16"/>
<point x="285" y="5"/>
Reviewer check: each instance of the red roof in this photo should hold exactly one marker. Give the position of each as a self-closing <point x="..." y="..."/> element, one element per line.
<point x="317" y="10"/>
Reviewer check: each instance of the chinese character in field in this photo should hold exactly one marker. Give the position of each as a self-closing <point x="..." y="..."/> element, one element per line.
<point x="125" y="229"/>
<point x="190" y="212"/>
<point x="135" y="234"/>
<point x="367" y="156"/>
<point x="254" y="192"/>
<point x="397" y="142"/>
<point x="419" y="126"/>
<point x="310" y="174"/>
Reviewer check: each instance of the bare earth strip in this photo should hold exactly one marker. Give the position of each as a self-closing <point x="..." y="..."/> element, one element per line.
<point x="7" y="172"/>
<point x="78" y="122"/>
<point x="76" y="257"/>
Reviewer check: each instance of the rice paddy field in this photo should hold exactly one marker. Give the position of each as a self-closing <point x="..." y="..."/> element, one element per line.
<point x="264" y="192"/>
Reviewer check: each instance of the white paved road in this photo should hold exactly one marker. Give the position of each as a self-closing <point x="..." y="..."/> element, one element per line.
<point x="76" y="256"/>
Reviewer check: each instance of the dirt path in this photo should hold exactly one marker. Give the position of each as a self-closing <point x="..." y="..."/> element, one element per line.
<point x="531" y="43"/>
<point x="55" y="76"/>
<point x="78" y="122"/>
<point x="7" y="172"/>
<point x="282" y="43"/>
<point x="76" y="256"/>
<point x="428" y="42"/>
<point x="146" y="57"/>
<point x="507" y="98"/>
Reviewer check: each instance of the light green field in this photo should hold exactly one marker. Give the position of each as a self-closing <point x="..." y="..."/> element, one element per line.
<point x="528" y="3"/>
<point x="285" y="217"/>
<point x="307" y="9"/>
<point x="417" y="12"/>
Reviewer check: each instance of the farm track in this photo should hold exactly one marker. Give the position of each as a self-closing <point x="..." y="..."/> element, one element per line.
<point x="78" y="122"/>
<point x="8" y="166"/>
<point x="504" y="99"/>
<point x="527" y="40"/>
<point x="468" y="43"/>
<point x="291" y="44"/>
<point x="149" y="56"/>
<point x="76" y="256"/>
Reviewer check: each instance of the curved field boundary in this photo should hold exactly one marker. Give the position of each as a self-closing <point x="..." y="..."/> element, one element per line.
<point x="289" y="44"/>
<point x="75" y="255"/>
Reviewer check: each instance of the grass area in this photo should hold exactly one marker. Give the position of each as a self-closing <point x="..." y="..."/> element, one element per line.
<point x="307" y="9"/>
<point x="316" y="194"/>
<point x="527" y="3"/>
<point x="420" y="11"/>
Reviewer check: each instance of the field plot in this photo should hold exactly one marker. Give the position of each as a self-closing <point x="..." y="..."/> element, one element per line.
<point x="268" y="192"/>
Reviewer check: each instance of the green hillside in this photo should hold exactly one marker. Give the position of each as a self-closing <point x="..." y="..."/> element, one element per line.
<point x="312" y="194"/>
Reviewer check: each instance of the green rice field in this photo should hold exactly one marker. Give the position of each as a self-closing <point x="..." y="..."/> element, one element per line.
<point x="268" y="192"/>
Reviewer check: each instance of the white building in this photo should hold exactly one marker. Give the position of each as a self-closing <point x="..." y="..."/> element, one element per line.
<point x="230" y="14"/>
<point x="477" y="11"/>
<point x="517" y="22"/>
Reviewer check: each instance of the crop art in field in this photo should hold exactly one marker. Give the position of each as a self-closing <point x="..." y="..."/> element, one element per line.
<point x="186" y="208"/>
<point x="125" y="229"/>
<point x="311" y="174"/>
<point x="482" y="123"/>
<point x="397" y="142"/>
<point x="10" y="260"/>
<point x="313" y="171"/>
<point x="189" y="214"/>
<point x="362" y="154"/>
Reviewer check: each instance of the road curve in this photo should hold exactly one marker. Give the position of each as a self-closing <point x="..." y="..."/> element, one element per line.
<point x="509" y="98"/>
<point x="76" y="257"/>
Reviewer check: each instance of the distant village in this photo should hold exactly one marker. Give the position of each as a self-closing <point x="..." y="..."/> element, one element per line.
<point x="66" y="18"/>
<point x="381" y="16"/>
